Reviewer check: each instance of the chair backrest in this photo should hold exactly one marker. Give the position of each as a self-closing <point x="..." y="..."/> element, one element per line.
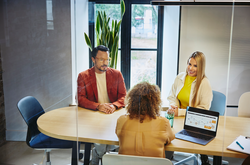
<point x="110" y="159"/>
<point x="30" y="110"/>
<point x="243" y="106"/>
<point x="218" y="103"/>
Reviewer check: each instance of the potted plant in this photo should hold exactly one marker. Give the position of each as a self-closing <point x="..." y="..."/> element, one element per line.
<point x="107" y="35"/>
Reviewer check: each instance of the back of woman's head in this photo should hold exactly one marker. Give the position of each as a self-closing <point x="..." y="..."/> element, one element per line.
<point x="201" y="63"/>
<point x="143" y="100"/>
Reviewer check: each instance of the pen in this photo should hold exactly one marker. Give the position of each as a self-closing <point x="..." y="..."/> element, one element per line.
<point x="239" y="145"/>
<point x="247" y="137"/>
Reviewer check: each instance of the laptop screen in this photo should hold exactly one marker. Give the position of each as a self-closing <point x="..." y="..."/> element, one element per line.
<point x="204" y="121"/>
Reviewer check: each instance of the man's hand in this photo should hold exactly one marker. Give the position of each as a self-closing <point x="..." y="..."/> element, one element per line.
<point x="175" y="109"/>
<point x="107" y="108"/>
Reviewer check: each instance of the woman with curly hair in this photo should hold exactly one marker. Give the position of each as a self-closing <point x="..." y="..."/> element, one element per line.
<point x="142" y="131"/>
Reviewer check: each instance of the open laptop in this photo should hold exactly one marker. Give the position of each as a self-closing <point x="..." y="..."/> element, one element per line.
<point x="200" y="126"/>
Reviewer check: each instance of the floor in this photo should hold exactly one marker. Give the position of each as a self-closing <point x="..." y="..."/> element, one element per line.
<point x="18" y="153"/>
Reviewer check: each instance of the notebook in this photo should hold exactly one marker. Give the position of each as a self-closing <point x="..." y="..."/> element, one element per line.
<point x="200" y="126"/>
<point x="242" y="141"/>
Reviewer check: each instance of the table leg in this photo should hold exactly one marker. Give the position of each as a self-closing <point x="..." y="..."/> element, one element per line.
<point x="87" y="153"/>
<point x="74" y="153"/>
<point x="217" y="160"/>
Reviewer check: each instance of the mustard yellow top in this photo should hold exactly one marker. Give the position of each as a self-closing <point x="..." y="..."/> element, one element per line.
<point x="143" y="139"/>
<point x="184" y="94"/>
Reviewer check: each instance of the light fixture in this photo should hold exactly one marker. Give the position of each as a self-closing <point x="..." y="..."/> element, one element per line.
<point x="200" y="3"/>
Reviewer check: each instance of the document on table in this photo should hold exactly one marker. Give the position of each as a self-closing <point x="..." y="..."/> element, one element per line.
<point x="240" y="144"/>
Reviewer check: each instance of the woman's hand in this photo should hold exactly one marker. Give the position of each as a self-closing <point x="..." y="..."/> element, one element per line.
<point x="175" y="109"/>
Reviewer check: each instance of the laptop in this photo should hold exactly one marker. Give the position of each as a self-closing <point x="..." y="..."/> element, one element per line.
<point x="200" y="126"/>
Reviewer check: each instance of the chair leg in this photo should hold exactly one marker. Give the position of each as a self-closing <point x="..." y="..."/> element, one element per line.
<point x="191" y="157"/>
<point x="224" y="162"/>
<point x="48" y="157"/>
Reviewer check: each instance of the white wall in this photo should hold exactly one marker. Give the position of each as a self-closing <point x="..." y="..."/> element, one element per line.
<point x="170" y="50"/>
<point x="80" y="50"/>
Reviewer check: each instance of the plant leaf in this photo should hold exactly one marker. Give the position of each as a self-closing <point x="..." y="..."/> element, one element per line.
<point x="100" y="19"/>
<point x="112" y="52"/>
<point x="97" y="27"/>
<point x="88" y="42"/>
<point x="118" y="26"/>
<point x="122" y="7"/>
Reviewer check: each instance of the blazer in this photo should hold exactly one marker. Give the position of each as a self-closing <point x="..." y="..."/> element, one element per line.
<point x="204" y="94"/>
<point x="87" y="88"/>
<point x="143" y="139"/>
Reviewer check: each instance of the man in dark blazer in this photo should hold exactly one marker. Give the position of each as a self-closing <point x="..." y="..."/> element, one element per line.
<point x="101" y="88"/>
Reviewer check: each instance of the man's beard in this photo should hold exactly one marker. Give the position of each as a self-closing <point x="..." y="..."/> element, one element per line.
<point x="104" y="69"/>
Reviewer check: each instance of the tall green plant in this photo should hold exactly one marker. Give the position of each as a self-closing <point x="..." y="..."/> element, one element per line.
<point x="106" y="35"/>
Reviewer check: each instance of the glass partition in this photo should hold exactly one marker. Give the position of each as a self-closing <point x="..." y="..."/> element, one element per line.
<point x="35" y="46"/>
<point x="212" y="30"/>
<point x="208" y="29"/>
<point x="43" y="51"/>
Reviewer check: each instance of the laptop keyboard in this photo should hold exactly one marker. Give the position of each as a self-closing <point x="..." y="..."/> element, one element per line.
<point x="196" y="135"/>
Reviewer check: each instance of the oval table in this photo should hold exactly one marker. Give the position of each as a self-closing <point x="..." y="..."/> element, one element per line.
<point x="83" y="125"/>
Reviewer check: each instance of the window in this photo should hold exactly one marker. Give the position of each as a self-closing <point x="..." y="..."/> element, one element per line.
<point x="143" y="44"/>
<point x="138" y="54"/>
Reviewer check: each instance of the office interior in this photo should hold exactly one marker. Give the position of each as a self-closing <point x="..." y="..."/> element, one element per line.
<point x="43" y="50"/>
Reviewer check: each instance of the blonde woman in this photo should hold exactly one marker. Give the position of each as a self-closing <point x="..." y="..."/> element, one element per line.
<point x="191" y="88"/>
<point x="143" y="131"/>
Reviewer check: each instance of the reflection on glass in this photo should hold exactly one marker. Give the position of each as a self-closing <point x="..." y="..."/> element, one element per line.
<point x="143" y="67"/>
<point x="50" y="23"/>
<point x="144" y="26"/>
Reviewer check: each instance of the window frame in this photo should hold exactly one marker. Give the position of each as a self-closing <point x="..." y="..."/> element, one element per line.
<point x="126" y="38"/>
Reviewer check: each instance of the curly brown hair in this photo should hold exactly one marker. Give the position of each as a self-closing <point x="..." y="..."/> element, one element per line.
<point x="143" y="100"/>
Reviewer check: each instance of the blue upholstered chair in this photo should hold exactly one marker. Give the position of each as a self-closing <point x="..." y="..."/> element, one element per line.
<point x="218" y="103"/>
<point x="30" y="110"/>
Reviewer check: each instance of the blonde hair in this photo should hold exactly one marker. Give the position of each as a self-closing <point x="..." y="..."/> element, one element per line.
<point x="201" y="64"/>
<point x="143" y="100"/>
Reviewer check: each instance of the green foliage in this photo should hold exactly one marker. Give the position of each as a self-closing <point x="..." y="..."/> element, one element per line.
<point x="88" y="42"/>
<point x="108" y="35"/>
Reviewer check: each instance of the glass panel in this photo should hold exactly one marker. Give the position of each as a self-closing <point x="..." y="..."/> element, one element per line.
<point x="144" y="26"/>
<point x="143" y="67"/>
<point x="36" y="61"/>
<point x="203" y="28"/>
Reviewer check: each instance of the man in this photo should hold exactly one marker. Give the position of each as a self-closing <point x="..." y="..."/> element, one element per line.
<point x="101" y="88"/>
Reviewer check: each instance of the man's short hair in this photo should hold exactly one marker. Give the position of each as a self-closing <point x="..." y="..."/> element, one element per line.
<point x="101" y="48"/>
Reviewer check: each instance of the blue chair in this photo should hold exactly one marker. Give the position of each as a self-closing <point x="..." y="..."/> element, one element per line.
<point x="30" y="110"/>
<point x="218" y="103"/>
